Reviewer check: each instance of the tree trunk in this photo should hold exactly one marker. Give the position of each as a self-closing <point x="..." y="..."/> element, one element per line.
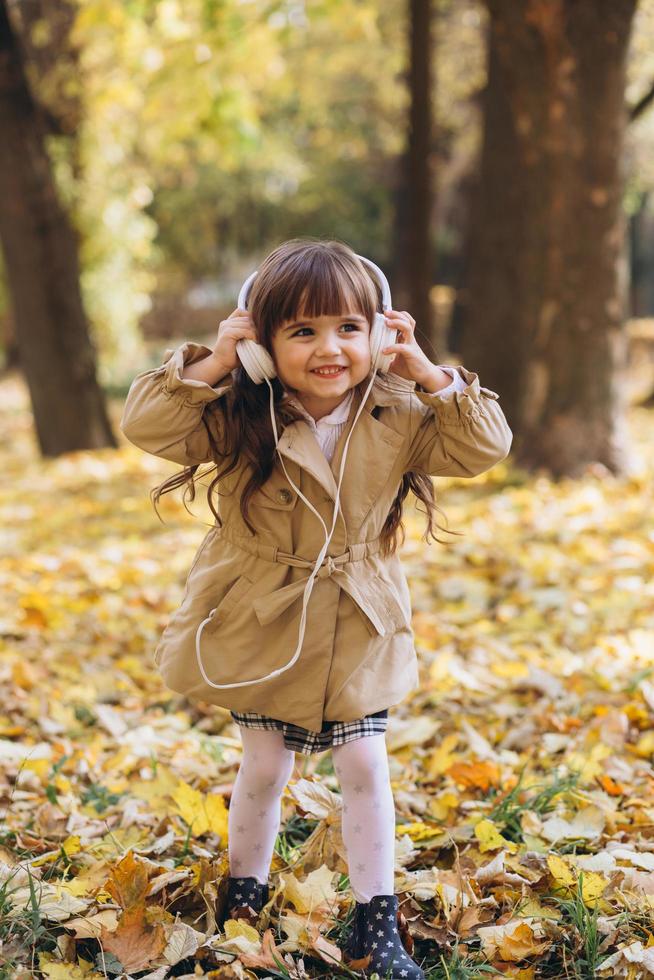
<point x="547" y="297"/>
<point x="412" y="278"/>
<point x="40" y="254"/>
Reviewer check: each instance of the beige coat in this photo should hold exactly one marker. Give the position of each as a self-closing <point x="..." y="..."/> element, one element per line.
<point x="358" y="652"/>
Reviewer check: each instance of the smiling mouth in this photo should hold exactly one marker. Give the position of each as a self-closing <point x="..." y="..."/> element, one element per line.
<point x="328" y="373"/>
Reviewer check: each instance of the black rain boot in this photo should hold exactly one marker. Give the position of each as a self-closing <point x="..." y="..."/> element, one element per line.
<point x="375" y="933"/>
<point x="245" y="899"/>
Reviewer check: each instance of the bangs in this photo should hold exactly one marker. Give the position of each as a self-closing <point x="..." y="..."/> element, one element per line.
<point x="312" y="282"/>
<point x="328" y="290"/>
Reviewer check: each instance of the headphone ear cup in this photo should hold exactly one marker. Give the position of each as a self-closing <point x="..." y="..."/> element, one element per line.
<point x="381" y="335"/>
<point x="256" y="361"/>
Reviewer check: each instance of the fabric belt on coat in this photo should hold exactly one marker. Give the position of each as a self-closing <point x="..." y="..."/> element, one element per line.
<point x="380" y="608"/>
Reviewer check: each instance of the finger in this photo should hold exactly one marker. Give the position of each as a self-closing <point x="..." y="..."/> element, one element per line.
<point x="398" y="320"/>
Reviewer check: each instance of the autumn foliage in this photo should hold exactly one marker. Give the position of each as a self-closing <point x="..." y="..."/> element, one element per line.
<point x="521" y="768"/>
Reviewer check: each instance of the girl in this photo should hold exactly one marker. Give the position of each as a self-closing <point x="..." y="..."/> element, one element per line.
<point x="312" y="307"/>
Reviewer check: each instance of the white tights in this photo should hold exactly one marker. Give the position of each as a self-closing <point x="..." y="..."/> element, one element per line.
<point x="368" y="809"/>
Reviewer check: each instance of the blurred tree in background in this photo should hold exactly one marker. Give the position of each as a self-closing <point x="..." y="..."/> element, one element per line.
<point x="547" y="232"/>
<point x="40" y="250"/>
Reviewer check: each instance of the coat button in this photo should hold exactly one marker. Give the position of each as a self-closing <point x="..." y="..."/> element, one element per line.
<point x="285" y="496"/>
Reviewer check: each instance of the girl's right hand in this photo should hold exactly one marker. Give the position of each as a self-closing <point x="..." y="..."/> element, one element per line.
<point x="237" y="326"/>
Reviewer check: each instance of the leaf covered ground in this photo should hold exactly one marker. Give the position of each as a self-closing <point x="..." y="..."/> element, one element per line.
<point x="522" y="767"/>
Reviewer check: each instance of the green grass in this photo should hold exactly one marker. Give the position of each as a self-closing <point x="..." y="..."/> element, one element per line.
<point x="507" y="812"/>
<point x="23" y="934"/>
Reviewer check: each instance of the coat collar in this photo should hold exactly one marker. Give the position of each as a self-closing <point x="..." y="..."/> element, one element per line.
<point x="372" y="450"/>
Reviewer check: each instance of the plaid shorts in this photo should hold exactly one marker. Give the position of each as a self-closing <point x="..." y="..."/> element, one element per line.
<point x="332" y="732"/>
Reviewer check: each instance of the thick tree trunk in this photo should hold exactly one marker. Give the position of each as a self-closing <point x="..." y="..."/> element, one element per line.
<point x="413" y="256"/>
<point x="546" y="297"/>
<point x="40" y="254"/>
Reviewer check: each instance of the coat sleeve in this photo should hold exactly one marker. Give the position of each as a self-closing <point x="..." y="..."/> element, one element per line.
<point x="163" y="412"/>
<point x="461" y="434"/>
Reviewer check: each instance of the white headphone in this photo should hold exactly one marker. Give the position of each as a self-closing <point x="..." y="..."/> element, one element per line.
<point x="260" y="367"/>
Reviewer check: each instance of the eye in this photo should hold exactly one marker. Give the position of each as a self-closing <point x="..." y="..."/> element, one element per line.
<point x="355" y="326"/>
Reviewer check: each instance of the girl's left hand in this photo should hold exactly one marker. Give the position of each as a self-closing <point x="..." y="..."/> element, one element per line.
<point x="410" y="363"/>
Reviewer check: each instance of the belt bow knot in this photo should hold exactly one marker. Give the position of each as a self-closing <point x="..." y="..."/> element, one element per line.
<point x="327" y="567"/>
<point x="376" y="602"/>
<point x="378" y="606"/>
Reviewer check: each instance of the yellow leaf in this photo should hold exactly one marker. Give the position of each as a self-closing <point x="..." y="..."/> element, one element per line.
<point x="199" y="812"/>
<point x="89" y="880"/>
<point x="560" y="871"/>
<point x="636" y="713"/>
<point x="589" y="764"/>
<point x="71" y="845"/>
<point x="533" y="843"/>
<point x="239" y="927"/>
<point x="156" y="791"/>
<point x="62" y="784"/>
<point x="532" y="908"/>
<point x="122" y="761"/>
<point x="191" y="810"/>
<point x="39" y="766"/>
<point x="440" y="806"/>
<point x="510" y="669"/>
<point x="592" y="886"/>
<point x="443" y="757"/>
<point x="118" y="841"/>
<point x="418" y="830"/>
<point x="490" y="838"/>
<point x="645" y="745"/>
<point x="56" y="970"/>
<point x="314" y="892"/>
<point x="217" y="814"/>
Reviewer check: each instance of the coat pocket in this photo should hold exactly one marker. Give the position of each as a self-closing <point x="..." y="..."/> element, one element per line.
<point x="234" y="595"/>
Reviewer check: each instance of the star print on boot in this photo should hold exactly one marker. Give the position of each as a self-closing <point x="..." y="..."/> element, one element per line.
<point x="375" y="935"/>
<point x="245" y="899"/>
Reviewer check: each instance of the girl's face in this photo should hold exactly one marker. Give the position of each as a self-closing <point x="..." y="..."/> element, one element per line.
<point x="303" y="345"/>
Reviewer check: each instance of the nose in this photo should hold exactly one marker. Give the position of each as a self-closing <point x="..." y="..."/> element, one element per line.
<point x="328" y="345"/>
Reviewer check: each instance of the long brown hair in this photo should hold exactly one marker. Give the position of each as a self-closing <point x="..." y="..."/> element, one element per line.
<point x="301" y="277"/>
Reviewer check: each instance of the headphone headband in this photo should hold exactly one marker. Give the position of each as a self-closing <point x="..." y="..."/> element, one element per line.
<point x="383" y="282"/>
